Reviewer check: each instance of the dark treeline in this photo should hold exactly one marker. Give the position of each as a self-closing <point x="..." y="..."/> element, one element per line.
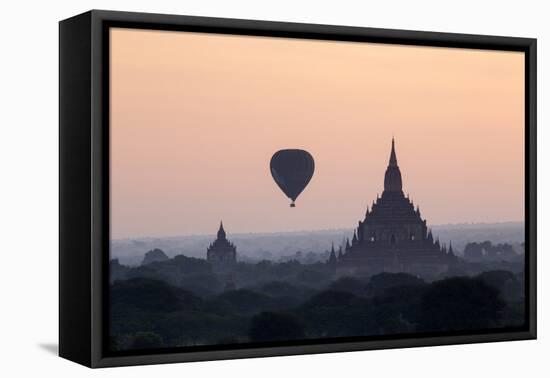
<point x="184" y="302"/>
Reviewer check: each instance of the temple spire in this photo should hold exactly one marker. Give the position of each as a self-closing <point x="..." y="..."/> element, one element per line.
<point x="393" y="157"/>
<point x="392" y="178"/>
<point x="221" y="231"/>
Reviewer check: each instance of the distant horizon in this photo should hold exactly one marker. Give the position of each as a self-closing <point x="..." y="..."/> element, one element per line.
<point x="351" y="228"/>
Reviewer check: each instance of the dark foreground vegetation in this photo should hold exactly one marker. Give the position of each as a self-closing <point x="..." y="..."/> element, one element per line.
<point x="183" y="302"/>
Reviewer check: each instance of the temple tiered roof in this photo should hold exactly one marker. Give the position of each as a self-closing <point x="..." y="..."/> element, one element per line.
<point x="393" y="235"/>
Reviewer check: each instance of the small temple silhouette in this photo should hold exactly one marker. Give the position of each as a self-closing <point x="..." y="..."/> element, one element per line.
<point x="221" y="253"/>
<point x="393" y="236"/>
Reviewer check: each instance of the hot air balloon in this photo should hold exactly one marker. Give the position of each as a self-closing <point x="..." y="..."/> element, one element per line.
<point x="292" y="170"/>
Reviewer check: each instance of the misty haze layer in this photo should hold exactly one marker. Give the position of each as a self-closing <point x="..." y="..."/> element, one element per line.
<point x="277" y="246"/>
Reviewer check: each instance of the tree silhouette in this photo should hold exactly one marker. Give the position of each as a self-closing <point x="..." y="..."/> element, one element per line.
<point x="273" y="326"/>
<point x="337" y="313"/>
<point x="459" y="304"/>
<point x="349" y="285"/>
<point x="383" y="281"/>
<point x="506" y="282"/>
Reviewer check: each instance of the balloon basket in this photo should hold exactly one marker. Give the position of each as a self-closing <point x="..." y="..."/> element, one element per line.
<point x="292" y="204"/>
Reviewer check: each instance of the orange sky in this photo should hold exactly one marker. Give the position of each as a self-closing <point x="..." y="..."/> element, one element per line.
<point x="195" y="119"/>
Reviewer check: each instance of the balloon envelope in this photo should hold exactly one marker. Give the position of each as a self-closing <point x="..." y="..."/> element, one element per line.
<point x="292" y="170"/>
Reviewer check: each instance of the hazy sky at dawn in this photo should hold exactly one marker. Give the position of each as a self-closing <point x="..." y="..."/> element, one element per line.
<point x="195" y="119"/>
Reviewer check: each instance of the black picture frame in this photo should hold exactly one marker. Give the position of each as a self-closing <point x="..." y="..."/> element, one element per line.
<point x="84" y="183"/>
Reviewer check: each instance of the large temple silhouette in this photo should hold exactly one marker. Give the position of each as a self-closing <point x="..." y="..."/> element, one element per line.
<point x="221" y="253"/>
<point x="393" y="236"/>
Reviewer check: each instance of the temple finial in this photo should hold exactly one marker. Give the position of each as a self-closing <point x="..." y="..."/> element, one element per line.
<point x="392" y="178"/>
<point x="393" y="157"/>
<point x="221" y="231"/>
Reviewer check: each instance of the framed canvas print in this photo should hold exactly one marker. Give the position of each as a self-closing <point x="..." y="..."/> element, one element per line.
<point x="234" y="188"/>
